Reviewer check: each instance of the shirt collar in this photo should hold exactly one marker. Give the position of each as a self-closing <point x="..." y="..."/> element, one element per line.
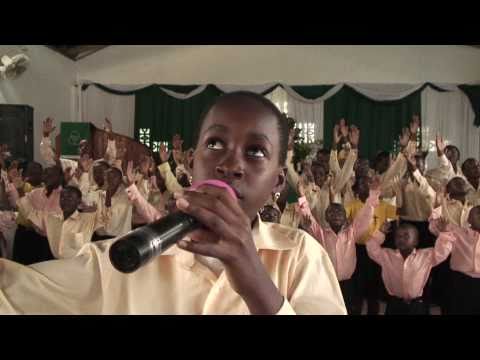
<point x="74" y="216"/>
<point x="411" y="254"/>
<point x="55" y="191"/>
<point x="266" y="236"/>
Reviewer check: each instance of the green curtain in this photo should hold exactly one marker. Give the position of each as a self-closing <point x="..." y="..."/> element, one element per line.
<point x="380" y="122"/>
<point x="166" y="116"/>
<point x="312" y="92"/>
<point x="473" y="94"/>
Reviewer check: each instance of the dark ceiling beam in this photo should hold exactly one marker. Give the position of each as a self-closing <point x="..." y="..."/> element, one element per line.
<point x="76" y="52"/>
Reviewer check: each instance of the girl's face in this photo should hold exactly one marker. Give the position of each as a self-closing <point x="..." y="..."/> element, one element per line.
<point x="239" y="144"/>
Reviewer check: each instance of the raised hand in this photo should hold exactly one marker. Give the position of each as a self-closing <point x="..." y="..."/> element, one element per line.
<point x="404" y="138"/>
<point x="392" y="158"/>
<point x="442" y="224"/>
<point x="48" y="127"/>
<point x="375" y="183"/>
<point x="343" y="128"/>
<point x="440" y="143"/>
<point x="108" y="126"/>
<point x="331" y="190"/>
<point x="414" y="125"/>
<point x="305" y="220"/>
<point x="411" y="163"/>
<point x="336" y="134"/>
<point x="164" y="154"/>
<point x="177" y="142"/>
<point x="130" y="173"/>
<point x="307" y="171"/>
<point x="354" y="136"/>
<point x="300" y="188"/>
<point x="189" y="160"/>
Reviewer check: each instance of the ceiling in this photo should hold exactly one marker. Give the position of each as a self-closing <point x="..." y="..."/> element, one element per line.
<point x="76" y="52"/>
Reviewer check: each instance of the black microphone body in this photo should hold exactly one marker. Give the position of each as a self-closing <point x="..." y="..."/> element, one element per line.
<point x="141" y="245"/>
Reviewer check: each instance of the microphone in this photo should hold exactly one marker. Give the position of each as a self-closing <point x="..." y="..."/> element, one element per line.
<point x="138" y="247"/>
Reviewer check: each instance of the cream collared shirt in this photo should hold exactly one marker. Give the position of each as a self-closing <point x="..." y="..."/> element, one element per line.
<point x="66" y="237"/>
<point x="118" y="217"/>
<point x="173" y="283"/>
<point x="417" y="200"/>
<point x="171" y="182"/>
<point x="440" y="176"/>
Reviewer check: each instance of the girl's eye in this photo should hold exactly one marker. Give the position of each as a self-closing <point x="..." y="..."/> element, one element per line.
<point x="256" y="152"/>
<point x="215" y="145"/>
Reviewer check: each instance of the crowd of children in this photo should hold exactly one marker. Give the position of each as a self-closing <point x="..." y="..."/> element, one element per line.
<point x="393" y="231"/>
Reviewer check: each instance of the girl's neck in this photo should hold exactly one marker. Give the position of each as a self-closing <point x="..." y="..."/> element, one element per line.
<point x="454" y="165"/>
<point x="66" y="215"/>
<point x="406" y="253"/>
<point x="363" y="198"/>
<point x="474" y="182"/>
<point x="50" y="189"/>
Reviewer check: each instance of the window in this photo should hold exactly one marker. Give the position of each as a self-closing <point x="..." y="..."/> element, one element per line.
<point x="144" y="136"/>
<point x="156" y="146"/>
<point x="307" y="131"/>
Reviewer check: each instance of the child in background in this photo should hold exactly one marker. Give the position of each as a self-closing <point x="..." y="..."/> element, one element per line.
<point x="455" y="208"/>
<point x="406" y="269"/>
<point x="367" y="278"/>
<point x="464" y="263"/>
<point x="339" y="237"/>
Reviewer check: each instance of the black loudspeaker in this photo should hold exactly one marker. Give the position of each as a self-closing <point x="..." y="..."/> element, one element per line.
<point x="16" y="130"/>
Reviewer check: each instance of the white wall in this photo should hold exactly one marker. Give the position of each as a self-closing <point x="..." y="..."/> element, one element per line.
<point x="46" y="86"/>
<point x="314" y="64"/>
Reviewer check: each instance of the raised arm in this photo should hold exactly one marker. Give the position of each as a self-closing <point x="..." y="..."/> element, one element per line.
<point x="374" y="245"/>
<point x="292" y="175"/>
<point x="333" y="162"/>
<point x="46" y="151"/>
<point x="170" y="180"/>
<point x="444" y="244"/>
<point x="425" y="187"/>
<point x="144" y="208"/>
<point x="364" y="218"/>
<point x="346" y="171"/>
<point x="308" y="219"/>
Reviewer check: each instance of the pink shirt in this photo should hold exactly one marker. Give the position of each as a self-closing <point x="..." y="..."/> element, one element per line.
<point x="341" y="247"/>
<point x="466" y="250"/>
<point x="406" y="278"/>
<point x="39" y="200"/>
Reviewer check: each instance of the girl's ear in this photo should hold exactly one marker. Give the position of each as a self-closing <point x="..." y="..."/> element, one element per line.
<point x="281" y="180"/>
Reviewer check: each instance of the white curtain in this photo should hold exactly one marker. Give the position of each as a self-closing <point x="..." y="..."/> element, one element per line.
<point x="450" y="114"/>
<point x="299" y="110"/>
<point x="96" y="105"/>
